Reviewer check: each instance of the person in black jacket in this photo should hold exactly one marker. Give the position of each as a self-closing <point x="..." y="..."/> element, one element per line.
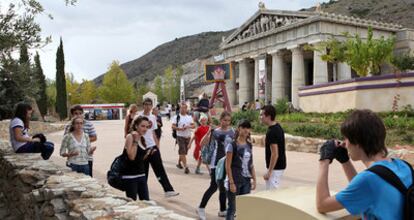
<point x="133" y="175"/>
<point x="158" y="131"/>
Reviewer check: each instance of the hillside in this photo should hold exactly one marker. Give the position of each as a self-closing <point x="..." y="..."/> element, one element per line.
<point x="391" y="11"/>
<point x="186" y="49"/>
<point x="177" y="52"/>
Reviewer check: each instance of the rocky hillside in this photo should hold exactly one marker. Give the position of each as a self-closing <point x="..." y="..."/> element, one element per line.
<point x="391" y="11"/>
<point x="187" y="49"/>
<point x="177" y="52"/>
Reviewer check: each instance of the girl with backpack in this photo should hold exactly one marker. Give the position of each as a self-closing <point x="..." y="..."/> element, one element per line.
<point x="133" y="174"/>
<point x="241" y="176"/>
<point x="218" y="138"/>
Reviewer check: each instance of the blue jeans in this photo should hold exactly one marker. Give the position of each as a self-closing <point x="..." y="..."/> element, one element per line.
<point x="136" y="186"/>
<point x="242" y="188"/>
<point x="46" y="149"/>
<point x="80" y="168"/>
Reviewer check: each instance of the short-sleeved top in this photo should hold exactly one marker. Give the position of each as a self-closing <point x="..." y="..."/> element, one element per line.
<point x="276" y="135"/>
<point x="200" y="133"/>
<point x="244" y="152"/>
<point x="17" y="122"/>
<point x="220" y="139"/>
<point x="149" y="135"/>
<point x="185" y="120"/>
<point x="70" y="144"/>
<point x="88" y="128"/>
<point x="372" y="197"/>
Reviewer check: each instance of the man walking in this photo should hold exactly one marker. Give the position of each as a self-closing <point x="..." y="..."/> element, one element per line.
<point x="154" y="156"/>
<point x="182" y="123"/>
<point x="275" y="148"/>
<point x="88" y="128"/>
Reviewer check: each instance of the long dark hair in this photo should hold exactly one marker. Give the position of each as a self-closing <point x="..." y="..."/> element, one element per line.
<point x="21" y="113"/>
<point x="135" y="123"/>
<point x="243" y="124"/>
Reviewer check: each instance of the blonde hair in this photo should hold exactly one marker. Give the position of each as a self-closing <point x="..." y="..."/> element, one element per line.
<point x="132" y="107"/>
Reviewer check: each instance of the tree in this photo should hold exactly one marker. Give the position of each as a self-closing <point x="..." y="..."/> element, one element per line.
<point x="115" y="87"/>
<point x="142" y="89"/>
<point x="88" y="91"/>
<point x="367" y="56"/>
<point x="51" y="95"/>
<point x="73" y="90"/>
<point x="168" y="84"/>
<point x="40" y="80"/>
<point x="158" y="90"/>
<point x="61" y="96"/>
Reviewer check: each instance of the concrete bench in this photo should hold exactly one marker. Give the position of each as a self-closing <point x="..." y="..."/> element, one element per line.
<point x="288" y="203"/>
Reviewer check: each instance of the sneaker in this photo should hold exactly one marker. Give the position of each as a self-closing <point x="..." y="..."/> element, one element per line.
<point x="179" y="166"/>
<point x="171" y="194"/>
<point x="186" y="170"/>
<point x="201" y="212"/>
<point x="222" y="213"/>
<point x="197" y="171"/>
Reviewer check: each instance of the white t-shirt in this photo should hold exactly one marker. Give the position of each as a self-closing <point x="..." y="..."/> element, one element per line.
<point x="185" y="120"/>
<point x="17" y="122"/>
<point x="149" y="135"/>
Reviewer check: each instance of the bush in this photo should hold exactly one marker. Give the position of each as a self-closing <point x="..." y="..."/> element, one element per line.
<point x="282" y="106"/>
<point x="250" y="115"/>
<point x="259" y="127"/>
<point x="293" y="117"/>
<point x="318" y="131"/>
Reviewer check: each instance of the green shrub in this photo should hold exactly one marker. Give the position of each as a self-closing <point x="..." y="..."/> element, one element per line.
<point x="282" y="106"/>
<point x="320" y="131"/>
<point x="259" y="127"/>
<point x="293" y="117"/>
<point x="250" y="115"/>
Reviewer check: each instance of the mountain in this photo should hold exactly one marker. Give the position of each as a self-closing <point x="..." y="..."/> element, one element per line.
<point x="177" y="52"/>
<point x="186" y="49"/>
<point x="390" y="11"/>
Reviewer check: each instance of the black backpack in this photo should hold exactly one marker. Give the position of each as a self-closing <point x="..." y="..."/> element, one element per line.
<point x="386" y="174"/>
<point x="174" y="132"/>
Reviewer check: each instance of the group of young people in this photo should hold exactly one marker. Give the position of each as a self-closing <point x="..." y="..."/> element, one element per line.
<point x="368" y="194"/>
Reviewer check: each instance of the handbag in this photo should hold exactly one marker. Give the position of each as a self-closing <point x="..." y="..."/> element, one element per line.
<point x="114" y="175"/>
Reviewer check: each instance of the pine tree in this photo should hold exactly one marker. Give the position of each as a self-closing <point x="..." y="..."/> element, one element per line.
<point x="40" y="80"/>
<point x="61" y="98"/>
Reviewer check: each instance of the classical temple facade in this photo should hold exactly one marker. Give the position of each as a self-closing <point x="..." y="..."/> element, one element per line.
<point x="273" y="42"/>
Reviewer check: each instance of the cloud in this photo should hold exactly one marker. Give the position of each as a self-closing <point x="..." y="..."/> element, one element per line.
<point x="96" y="32"/>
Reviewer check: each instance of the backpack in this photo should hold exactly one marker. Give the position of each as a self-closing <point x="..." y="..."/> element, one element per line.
<point x="390" y="177"/>
<point x="114" y="175"/>
<point x="221" y="165"/>
<point x="208" y="150"/>
<point x="174" y="132"/>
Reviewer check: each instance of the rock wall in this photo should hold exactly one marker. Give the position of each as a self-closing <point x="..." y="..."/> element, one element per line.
<point x="32" y="188"/>
<point x="294" y="143"/>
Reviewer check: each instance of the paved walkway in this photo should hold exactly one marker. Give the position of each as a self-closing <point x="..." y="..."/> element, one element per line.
<point x="301" y="170"/>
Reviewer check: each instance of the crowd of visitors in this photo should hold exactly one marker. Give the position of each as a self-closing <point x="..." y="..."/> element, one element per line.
<point x="227" y="153"/>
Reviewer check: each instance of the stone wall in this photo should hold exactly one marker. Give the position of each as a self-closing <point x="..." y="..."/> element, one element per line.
<point x="32" y="188"/>
<point x="294" y="143"/>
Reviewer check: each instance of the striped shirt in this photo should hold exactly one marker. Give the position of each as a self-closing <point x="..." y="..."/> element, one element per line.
<point x="88" y="128"/>
<point x="70" y="144"/>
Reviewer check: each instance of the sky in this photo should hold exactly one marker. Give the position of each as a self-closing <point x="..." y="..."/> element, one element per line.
<point x="97" y="32"/>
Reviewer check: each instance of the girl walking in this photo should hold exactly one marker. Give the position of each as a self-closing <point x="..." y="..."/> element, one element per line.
<point x="133" y="175"/>
<point x="77" y="147"/>
<point x="200" y="132"/>
<point x="241" y="176"/>
<point x="219" y="137"/>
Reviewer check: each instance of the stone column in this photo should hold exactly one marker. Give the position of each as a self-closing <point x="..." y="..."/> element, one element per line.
<point x="256" y="78"/>
<point x="344" y="71"/>
<point x="278" y="76"/>
<point x="245" y="82"/>
<point x="320" y="69"/>
<point x="298" y="74"/>
<point x="231" y="85"/>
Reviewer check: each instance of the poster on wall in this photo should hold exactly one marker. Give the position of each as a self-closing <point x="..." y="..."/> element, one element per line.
<point x="217" y="72"/>
<point x="262" y="79"/>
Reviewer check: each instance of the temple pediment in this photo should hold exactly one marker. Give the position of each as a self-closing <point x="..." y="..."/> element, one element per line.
<point x="264" y="21"/>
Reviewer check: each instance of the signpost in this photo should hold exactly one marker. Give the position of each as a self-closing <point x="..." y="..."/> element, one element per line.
<point x="219" y="73"/>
